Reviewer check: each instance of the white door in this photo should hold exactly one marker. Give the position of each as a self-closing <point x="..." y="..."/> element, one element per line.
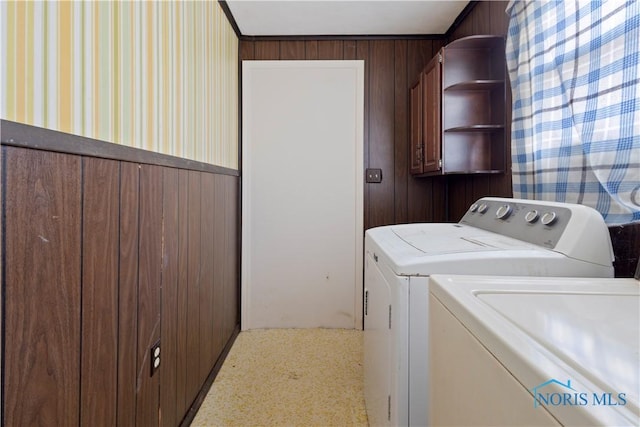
<point x="302" y="194"/>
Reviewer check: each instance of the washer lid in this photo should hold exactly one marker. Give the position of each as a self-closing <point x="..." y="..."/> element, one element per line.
<point x="575" y="336"/>
<point x="450" y="239"/>
<point x="424" y="249"/>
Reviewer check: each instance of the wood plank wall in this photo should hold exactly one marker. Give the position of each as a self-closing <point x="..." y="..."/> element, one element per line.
<point x="102" y="259"/>
<point x="42" y="288"/>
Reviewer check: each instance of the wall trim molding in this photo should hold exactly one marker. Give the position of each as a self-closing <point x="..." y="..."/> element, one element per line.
<point x="202" y="394"/>
<point x="232" y="21"/>
<point x="27" y="136"/>
<point x="345" y="37"/>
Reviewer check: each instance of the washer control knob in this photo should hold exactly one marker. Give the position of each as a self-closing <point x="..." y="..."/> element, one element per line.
<point x="473" y="208"/>
<point x="483" y="208"/>
<point x="503" y="212"/>
<point x="532" y="216"/>
<point x="548" y="218"/>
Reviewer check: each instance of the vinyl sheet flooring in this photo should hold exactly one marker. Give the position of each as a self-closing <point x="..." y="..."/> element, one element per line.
<point x="289" y="377"/>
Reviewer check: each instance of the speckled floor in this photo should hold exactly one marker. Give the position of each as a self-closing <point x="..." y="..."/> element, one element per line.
<point x="289" y="377"/>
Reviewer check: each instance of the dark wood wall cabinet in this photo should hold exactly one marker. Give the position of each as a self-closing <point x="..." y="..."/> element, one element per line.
<point x="458" y="109"/>
<point x="105" y="261"/>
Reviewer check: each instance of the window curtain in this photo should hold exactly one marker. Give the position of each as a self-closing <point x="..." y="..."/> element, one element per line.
<point x="575" y="75"/>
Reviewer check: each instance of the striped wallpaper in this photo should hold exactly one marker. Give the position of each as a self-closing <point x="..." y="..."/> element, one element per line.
<point x="162" y="76"/>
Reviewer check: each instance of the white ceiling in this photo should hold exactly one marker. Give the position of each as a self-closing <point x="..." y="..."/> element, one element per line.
<point x="342" y="17"/>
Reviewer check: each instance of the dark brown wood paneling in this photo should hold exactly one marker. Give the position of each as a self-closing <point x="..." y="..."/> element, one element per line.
<point x="169" y="310"/>
<point x="42" y="218"/>
<point x="330" y="49"/>
<point x="439" y="195"/>
<point x="128" y="293"/>
<point x="381" y="128"/>
<point x="202" y="394"/>
<point x="401" y="137"/>
<point x="482" y="18"/>
<point x="219" y="254"/>
<point x="362" y="53"/>
<point x="149" y="279"/>
<point x="311" y="49"/>
<point x="464" y="29"/>
<point x="193" y="289"/>
<point x="458" y="197"/>
<point x="267" y="50"/>
<point x="231" y="282"/>
<point x="247" y="50"/>
<point x="350" y="49"/>
<point x="499" y="18"/>
<point x="182" y="361"/>
<point x="207" y="214"/>
<point x="480" y="187"/>
<point x="292" y="50"/>
<point x="139" y="256"/>
<point x="100" y="255"/>
<point x="501" y="185"/>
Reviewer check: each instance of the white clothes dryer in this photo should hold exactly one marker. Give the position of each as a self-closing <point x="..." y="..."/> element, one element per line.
<point x="534" y="351"/>
<point x="496" y="236"/>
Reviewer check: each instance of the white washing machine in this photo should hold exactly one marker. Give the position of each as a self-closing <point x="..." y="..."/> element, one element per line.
<point x="496" y="236"/>
<point x="534" y="351"/>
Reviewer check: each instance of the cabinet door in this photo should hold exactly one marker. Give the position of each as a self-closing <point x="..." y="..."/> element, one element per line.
<point x="431" y="128"/>
<point x="415" y="129"/>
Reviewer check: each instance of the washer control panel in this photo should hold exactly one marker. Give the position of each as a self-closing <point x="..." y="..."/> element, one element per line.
<point x="531" y="221"/>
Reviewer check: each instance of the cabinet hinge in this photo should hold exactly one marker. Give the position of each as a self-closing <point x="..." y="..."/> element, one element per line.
<point x="366" y="302"/>
<point x="389" y="408"/>
<point x="440" y="58"/>
<point x="389" y="317"/>
<point x="440" y="163"/>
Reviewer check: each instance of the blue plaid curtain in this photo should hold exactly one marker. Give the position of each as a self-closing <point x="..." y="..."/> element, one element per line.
<point x="575" y="75"/>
